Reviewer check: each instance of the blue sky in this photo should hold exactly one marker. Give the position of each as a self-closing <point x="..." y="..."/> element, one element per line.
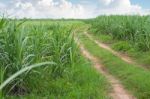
<point x="143" y="3"/>
<point x="73" y="8"/>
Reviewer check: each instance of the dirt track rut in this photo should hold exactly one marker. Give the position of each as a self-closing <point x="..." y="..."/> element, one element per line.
<point x="118" y="91"/>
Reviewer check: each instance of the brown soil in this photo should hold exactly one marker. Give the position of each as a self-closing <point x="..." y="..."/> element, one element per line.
<point x="105" y="46"/>
<point x="124" y="57"/>
<point x="118" y="91"/>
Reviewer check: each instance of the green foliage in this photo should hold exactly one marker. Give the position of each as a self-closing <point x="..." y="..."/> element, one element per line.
<point x="24" y="44"/>
<point x="134" y="78"/>
<point x="134" y="29"/>
<point x="104" y="38"/>
<point x="129" y="34"/>
<point x="123" y="46"/>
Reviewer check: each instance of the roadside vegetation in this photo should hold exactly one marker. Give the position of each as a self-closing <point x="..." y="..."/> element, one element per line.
<point x="66" y="75"/>
<point x="127" y="34"/>
<point x="134" y="78"/>
<point x="40" y="58"/>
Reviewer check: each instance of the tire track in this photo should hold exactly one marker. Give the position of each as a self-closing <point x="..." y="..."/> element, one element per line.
<point x="118" y="91"/>
<point x="121" y="56"/>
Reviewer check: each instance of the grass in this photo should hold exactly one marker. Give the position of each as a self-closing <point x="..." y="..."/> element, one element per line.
<point x="122" y="46"/>
<point x="79" y="82"/>
<point x="134" y="78"/>
<point x="127" y="34"/>
<point x="24" y="44"/>
<point x="20" y="72"/>
<point x="134" y="29"/>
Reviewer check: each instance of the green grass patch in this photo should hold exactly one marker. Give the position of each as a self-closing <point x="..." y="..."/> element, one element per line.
<point x="122" y="46"/>
<point x="78" y="82"/>
<point x="24" y="44"/>
<point x="135" y="79"/>
<point x="138" y="56"/>
<point x="105" y="38"/>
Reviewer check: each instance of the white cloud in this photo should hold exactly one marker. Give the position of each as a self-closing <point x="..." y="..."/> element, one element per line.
<point x="67" y="9"/>
<point x="24" y="6"/>
<point x="2" y="7"/>
<point x="119" y="7"/>
<point x="105" y="2"/>
<point x="48" y="9"/>
<point x="62" y="8"/>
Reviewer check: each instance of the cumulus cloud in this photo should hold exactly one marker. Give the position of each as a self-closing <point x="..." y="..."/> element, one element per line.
<point x="105" y="2"/>
<point x="67" y="9"/>
<point x="63" y="8"/>
<point x="118" y="7"/>
<point x="48" y="9"/>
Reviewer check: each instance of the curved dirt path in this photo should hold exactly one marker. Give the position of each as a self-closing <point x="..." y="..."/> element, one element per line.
<point x="118" y="91"/>
<point x="121" y="56"/>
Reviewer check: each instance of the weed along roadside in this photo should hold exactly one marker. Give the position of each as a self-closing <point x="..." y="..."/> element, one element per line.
<point x="30" y="43"/>
<point x="122" y="56"/>
<point x="128" y="36"/>
<point x="56" y="59"/>
<point x="117" y="91"/>
<point x="130" y="76"/>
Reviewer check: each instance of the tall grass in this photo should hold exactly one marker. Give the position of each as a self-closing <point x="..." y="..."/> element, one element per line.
<point x="24" y="45"/>
<point x="134" y="78"/>
<point x="134" y="29"/>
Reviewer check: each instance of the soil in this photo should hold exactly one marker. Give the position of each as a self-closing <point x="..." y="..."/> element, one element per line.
<point x="118" y="91"/>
